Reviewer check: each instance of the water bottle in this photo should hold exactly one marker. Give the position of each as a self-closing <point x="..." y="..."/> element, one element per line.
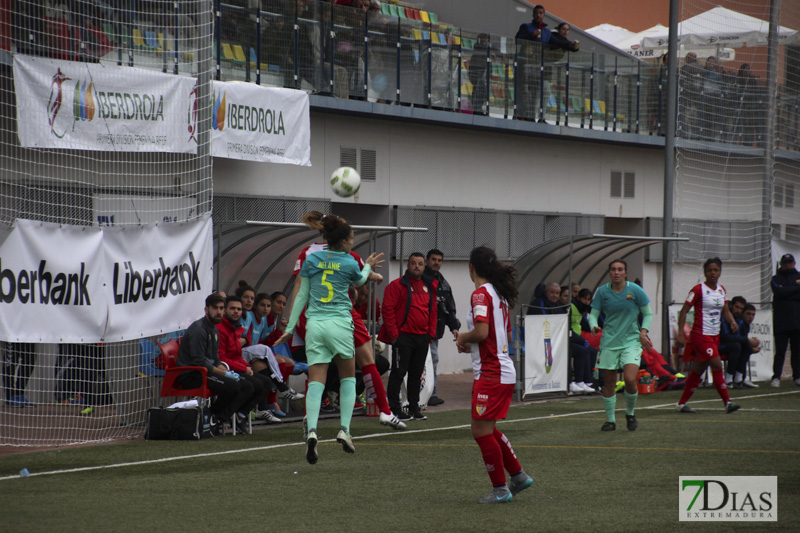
<point x="24" y="473"/>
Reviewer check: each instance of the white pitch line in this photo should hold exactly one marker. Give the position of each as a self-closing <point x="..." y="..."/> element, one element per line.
<point x="370" y="436"/>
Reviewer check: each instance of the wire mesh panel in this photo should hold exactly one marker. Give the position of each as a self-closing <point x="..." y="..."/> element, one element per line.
<point x="580" y="89"/>
<point x="415" y="62"/>
<point x="382" y="56"/>
<point x="56" y="394"/>
<point x="238" y="36"/>
<point x="347" y="51"/>
<point x="444" y="66"/>
<point x="500" y="67"/>
<point x="474" y="72"/>
<point x="276" y="43"/>
<point x="530" y="84"/>
<point x="723" y="189"/>
<point x="628" y="94"/>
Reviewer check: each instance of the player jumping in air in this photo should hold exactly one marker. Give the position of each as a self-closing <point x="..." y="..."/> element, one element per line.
<point x="325" y="280"/>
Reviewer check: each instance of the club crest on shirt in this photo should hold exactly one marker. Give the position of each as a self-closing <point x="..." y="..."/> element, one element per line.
<point x="480" y="409"/>
<point x="629" y="297"/>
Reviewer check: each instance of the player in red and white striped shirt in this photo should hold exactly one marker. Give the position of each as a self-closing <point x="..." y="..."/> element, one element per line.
<point x="710" y="308"/>
<point x="487" y="339"/>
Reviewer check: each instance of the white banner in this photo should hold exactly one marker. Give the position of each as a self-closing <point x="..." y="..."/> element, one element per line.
<point x="260" y="124"/>
<point x="89" y="106"/>
<point x="546" y="353"/>
<point x="64" y="284"/>
<point x="51" y="283"/>
<point x="761" y="328"/>
<point x="159" y="277"/>
<point x="761" y="362"/>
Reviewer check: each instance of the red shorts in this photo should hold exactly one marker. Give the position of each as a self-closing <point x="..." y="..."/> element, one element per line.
<point x="360" y="334"/>
<point x="705" y="347"/>
<point x="490" y="401"/>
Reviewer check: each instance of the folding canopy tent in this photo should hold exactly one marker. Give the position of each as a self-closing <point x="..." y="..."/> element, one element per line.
<point x="720" y="27"/>
<point x="633" y="46"/>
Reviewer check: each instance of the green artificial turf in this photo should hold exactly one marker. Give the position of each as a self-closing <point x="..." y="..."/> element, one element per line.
<point x="426" y="480"/>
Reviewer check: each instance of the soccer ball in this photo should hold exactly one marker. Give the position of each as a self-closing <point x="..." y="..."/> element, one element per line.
<point x="345" y="182"/>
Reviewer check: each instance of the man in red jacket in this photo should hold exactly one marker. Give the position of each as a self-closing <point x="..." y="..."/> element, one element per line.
<point x="230" y="353"/>
<point x="409" y="324"/>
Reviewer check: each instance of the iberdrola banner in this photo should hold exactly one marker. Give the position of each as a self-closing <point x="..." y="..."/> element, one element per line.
<point x="546" y="353"/>
<point x="90" y="106"/>
<point x="257" y="123"/>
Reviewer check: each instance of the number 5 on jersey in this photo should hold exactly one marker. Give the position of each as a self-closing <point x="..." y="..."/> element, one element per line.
<point x="327" y="285"/>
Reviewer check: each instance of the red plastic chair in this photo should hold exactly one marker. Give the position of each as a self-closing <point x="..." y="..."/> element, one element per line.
<point x="171" y="386"/>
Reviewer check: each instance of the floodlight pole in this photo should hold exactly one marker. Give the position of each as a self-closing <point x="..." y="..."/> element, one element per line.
<point x="669" y="172"/>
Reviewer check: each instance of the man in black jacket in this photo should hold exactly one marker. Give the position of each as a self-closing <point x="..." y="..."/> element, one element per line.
<point x="200" y="347"/>
<point x="446" y="312"/>
<point x="786" y="318"/>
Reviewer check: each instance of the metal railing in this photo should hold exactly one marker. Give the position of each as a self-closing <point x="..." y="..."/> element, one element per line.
<point x="376" y="56"/>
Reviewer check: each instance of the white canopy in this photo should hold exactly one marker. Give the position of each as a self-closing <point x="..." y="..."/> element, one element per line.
<point x="720" y="27"/>
<point x="633" y="44"/>
<point x="609" y="33"/>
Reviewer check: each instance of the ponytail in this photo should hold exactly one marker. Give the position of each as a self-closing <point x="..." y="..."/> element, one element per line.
<point x="334" y="229"/>
<point x="503" y="277"/>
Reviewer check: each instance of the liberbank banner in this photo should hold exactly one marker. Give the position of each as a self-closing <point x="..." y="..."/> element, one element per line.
<point x="61" y="283"/>
<point x="89" y="106"/>
<point x="257" y="123"/>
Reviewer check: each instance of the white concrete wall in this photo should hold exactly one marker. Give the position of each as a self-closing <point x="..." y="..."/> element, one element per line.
<point x="421" y="165"/>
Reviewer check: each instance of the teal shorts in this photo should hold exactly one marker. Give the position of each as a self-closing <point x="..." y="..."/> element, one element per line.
<point x="328" y="338"/>
<point x="611" y="359"/>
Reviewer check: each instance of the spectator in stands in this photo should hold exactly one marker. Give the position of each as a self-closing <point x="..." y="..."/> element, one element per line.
<point x="409" y="324"/>
<point x="731" y="344"/>
<point x="560" y="40"/>
<point x="748" y="93"/>
<point x="576" y="288"/>
<point x="19" y="359"/>
<point x="691" y="89"/>
<point x="532" y="100"/>
<point x="231" y="334"/>
<point x="446" y="312"/>
<point x="278" y="40"/>
<point x="200" y="347"/>
<point x="786" y="318"/>
<point x="753" y="345"/>
<point x="713" y="95"/>
<point x="477" y="74"/>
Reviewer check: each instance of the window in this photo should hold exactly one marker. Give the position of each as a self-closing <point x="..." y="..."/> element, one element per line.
<point x="623" y="184"/>
<point x="788" y="195"/>
<point x="362" y="159"/>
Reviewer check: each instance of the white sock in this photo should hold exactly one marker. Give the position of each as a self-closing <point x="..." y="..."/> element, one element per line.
<point x="728" y="377"/>
<point x="738" y="377"/>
